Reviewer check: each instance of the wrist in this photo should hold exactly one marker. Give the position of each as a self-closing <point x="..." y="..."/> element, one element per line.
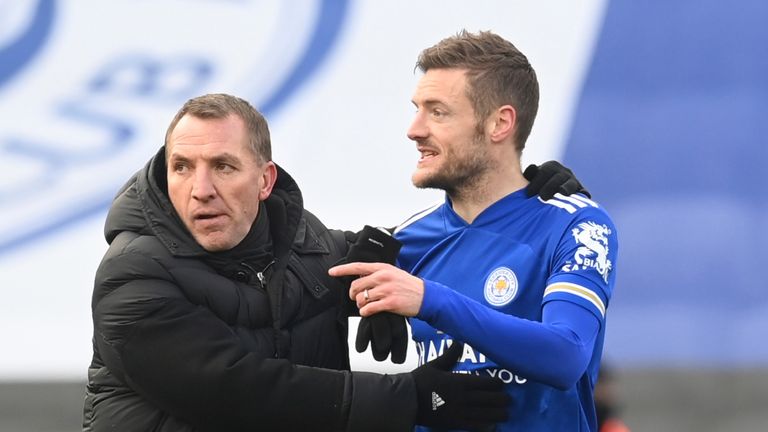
<point x="428" y="304"/>
<point x="382" y="403"/>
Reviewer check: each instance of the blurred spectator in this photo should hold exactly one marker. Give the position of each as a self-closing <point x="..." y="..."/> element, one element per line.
<point x="607" y="402"/>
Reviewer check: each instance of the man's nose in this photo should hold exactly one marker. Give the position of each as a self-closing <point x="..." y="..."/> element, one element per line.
<point x="418" y="128"/>
<point x="203" y="188"/>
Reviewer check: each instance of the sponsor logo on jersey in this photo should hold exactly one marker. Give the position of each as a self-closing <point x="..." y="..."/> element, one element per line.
<point x="89" y="88"/>
<point x="500" y="287"/>
<point x="472" y="362"/>
<point x="593" y="252"/>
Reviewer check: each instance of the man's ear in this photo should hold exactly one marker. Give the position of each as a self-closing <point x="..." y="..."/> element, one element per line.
<point x="268" y="179"/>
<point x="504" y="122"/>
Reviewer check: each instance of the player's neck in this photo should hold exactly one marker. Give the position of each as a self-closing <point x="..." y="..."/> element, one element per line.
<point x="470" y="201"/>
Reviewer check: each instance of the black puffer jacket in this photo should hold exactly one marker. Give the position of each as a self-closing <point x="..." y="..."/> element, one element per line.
<point x="188" y="340"/>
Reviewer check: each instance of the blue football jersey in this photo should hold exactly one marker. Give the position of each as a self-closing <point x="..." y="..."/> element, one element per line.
<point x="515" y="257"/>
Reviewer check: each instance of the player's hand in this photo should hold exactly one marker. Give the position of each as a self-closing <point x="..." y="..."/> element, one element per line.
<point x="382" y="288"/>
<point x="550" y="178"/>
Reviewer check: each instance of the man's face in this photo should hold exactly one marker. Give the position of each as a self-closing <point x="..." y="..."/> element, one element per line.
<point x="215" y="182"/>
<point x="454" y="154"/>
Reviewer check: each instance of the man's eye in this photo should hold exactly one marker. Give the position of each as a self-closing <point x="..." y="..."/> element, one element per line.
<point x="438" y="113"/>
<point x="180" y="168"/>
<point x="225" y="168"/>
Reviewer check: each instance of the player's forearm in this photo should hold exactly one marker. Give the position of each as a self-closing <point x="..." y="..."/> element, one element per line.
<point x="555" y="351"/>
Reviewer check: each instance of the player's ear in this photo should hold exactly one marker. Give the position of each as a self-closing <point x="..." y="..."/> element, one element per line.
<point x="502" y="123"/>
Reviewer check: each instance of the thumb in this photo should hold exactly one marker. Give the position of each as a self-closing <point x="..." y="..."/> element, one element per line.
<point x="530" y="172"/>
<point x="450" y="357"/>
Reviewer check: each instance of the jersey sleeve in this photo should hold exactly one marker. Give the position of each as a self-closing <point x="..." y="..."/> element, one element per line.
<point x="584" y="263"/>
<point x="555" y="351"/>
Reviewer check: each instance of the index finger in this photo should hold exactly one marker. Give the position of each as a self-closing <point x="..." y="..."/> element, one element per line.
<point x="355" y="269"/>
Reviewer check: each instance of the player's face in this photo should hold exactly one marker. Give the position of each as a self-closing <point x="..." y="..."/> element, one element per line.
<point x="215" y="181"/>
<point x="454" y="150"/>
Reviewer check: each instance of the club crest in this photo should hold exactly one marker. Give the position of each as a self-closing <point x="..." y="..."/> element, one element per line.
<point x="500" y="287"/>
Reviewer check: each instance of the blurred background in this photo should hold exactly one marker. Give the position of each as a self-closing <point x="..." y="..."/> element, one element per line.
<point x="657" y="105"/>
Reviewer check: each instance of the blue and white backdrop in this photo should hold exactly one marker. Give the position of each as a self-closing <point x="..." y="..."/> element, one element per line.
<point x="657" y="105"/>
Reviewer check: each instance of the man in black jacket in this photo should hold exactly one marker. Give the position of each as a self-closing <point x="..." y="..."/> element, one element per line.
<point x="213" y="311"/>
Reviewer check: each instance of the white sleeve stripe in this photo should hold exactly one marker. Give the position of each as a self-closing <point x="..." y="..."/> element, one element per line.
<point x="571" y="199"/>
<point x="416" y="217"/>
<point x="585" y="200"/>
<point x="579" y="291"/>
<point x="567" y="207"/>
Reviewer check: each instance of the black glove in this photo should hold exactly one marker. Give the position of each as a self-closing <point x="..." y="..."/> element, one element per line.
<point x="457" y="401"/>
<point x="386" y="332"/>
<point x="374" y="245"/>
<point x="550" y="178"/>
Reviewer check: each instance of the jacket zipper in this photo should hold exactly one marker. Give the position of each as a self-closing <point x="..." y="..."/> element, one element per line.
<point x="262" y="278"/>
